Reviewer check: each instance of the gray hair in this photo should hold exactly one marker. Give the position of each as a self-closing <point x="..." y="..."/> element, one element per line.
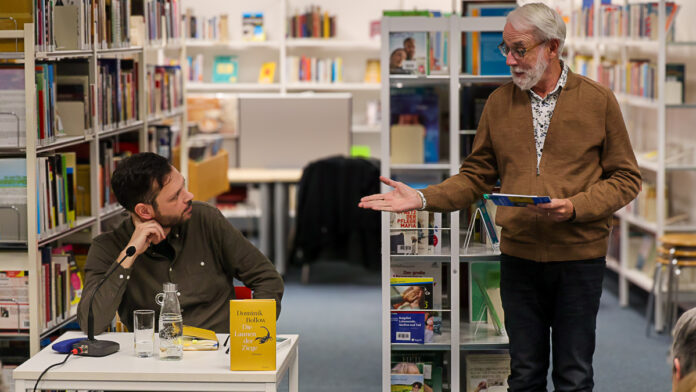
<point x="543" y="22"/>
<point x="684" y="341"/>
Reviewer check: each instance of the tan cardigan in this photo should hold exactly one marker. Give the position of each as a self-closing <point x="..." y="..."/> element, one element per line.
<point x="587" y="158"/>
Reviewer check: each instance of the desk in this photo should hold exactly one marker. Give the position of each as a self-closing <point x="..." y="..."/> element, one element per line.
<point x="198" y="371"/>
<point x="274" y="206"/>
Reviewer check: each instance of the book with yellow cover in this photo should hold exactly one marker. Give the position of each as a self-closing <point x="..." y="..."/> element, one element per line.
<point x="267" y="73"/>
<point x="199" y="339"/>
<point x="252" y="334"/>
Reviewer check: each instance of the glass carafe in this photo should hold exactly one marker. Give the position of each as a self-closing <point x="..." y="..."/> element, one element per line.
<point x="171" y="324"/>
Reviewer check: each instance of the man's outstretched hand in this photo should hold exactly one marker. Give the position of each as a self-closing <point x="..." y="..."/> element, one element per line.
<point x="402" y="198"/>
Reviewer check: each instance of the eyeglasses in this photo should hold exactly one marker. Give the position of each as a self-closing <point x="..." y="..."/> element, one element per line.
<point x="517" y="52"/>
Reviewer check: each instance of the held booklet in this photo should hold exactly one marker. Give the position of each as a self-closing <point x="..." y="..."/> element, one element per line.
<point x="510" y="200"/>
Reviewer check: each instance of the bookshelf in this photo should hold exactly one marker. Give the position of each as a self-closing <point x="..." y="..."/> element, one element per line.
<point x="459" y="336"/>
<point x="352" y="45"/>
<point x="655" y="126"/>
<point x="106" y="121"/>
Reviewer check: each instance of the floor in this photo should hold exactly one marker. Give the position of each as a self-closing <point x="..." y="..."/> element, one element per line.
<point x="338" y="318"/>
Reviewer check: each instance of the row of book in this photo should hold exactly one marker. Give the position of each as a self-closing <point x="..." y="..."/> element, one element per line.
<point x="313" y="69"/>
<point x="313" y="23"/>
<point x="635" y="21"/>
<point x="164" y="20"/>
<point x="62" y="281"/>
<point x="165" y="86"/>
<point x="117" y="82"/>
<point x="635" y="77"/>
<point x="214" y="28"/>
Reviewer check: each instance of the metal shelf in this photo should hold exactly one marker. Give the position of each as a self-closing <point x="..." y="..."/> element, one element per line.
<point x="420" y="166"/>
<point x="61" y="142"/>
<point x="332" y="43"/>
<point x="81" y="223"/>
<point x="121" y="128"/>
<point x="204" y="43"/>
<point x="230" y="87"/>
<point x="334" y="86"/>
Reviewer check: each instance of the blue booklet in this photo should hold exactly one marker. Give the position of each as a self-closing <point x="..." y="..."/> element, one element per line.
<point x="509" y="200"/>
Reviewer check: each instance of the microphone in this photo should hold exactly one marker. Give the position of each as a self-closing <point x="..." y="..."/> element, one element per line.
<point x="91" y="347"/>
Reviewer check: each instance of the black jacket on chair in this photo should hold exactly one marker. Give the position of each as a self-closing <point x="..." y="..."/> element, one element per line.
<point x="330" y="224"/>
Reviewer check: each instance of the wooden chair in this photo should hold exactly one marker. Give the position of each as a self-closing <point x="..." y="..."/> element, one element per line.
<point x="676" y="251"/>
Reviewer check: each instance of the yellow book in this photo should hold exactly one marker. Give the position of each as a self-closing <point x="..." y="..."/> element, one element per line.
<point x="267" y="73"/>
<point x="199" y="339"/>
<point x="252" y="334"/>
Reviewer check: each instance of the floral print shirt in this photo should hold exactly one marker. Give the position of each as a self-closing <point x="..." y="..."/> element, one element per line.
<point x="542" y="111"/>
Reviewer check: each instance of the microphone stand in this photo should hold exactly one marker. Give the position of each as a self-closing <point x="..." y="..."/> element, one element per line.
<point x="91" y="347"/>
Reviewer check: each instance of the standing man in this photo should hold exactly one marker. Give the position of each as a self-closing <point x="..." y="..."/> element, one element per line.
<point x="176" y="240"/>
<point x="553" y="133"/>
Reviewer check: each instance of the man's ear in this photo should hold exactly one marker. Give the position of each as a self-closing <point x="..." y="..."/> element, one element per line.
<point x="553" y="46"/>
<point x="677" y="369"/>
<point x="144" y="211"/>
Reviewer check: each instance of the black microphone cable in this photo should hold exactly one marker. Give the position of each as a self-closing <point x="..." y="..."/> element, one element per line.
<point x="73" y="351"/>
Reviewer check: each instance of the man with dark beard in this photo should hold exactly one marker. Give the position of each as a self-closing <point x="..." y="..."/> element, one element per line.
<point x="176" y="240"/>
<point x="550" y="132"/>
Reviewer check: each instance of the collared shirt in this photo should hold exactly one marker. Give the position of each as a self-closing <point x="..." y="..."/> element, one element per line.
<point x="203" y="256"/>
<point x="542" y="111"/>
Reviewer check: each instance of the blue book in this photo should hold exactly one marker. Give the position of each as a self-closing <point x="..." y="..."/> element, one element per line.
<point x="492" y="62"/>
<point x="408" y="327"/>
<point x="225" y="69"/>
<point x="508" y="200"/>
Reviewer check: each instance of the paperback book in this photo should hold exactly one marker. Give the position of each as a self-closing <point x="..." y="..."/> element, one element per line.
<point x="252" y="334"/>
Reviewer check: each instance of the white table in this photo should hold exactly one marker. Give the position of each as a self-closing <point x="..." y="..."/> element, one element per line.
<point x="197" y="371"/>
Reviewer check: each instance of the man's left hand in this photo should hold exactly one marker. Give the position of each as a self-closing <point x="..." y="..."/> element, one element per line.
<point x="558" y="210"/>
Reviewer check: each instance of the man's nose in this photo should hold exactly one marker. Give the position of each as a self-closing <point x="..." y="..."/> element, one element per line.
<point x="510" y="60"/>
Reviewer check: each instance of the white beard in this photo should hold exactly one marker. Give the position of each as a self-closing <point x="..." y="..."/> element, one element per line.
<point x="531" y="76"/>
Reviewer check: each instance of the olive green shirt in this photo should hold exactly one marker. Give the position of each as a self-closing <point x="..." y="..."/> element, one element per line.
<point x="208" y="253"/>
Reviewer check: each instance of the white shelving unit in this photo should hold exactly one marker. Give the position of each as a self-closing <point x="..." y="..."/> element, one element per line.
<point x="278" y="48"/>
<point x="659" y="51"/>
<point x="29" y="259"/>
<point x="458" y="337"/>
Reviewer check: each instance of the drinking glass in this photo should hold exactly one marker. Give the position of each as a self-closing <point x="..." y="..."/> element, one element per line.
<point x="144" y="332"/>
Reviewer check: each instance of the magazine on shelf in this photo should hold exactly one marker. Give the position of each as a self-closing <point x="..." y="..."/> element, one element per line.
<point x="412" y="293"/>
<point x="408" y="53"/>
<point x="487" y="372"/>
<point x="419" y="270"/>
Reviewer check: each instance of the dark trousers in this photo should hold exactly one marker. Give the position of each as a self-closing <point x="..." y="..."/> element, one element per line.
<point x="551" y="305"/>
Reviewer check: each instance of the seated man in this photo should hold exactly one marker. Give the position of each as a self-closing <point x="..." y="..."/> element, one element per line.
<point x="176" y="240"/>
<point x="684" y="353"/>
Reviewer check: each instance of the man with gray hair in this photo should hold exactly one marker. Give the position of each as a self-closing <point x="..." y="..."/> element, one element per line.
<point x="549" y="132"/>
<point x="684" y="352"/>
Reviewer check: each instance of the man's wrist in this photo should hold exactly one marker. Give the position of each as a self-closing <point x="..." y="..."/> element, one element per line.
<point x="423" y="202"/>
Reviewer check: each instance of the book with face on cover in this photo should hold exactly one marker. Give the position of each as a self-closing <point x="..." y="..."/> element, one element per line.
<point x="252" y="334"/>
